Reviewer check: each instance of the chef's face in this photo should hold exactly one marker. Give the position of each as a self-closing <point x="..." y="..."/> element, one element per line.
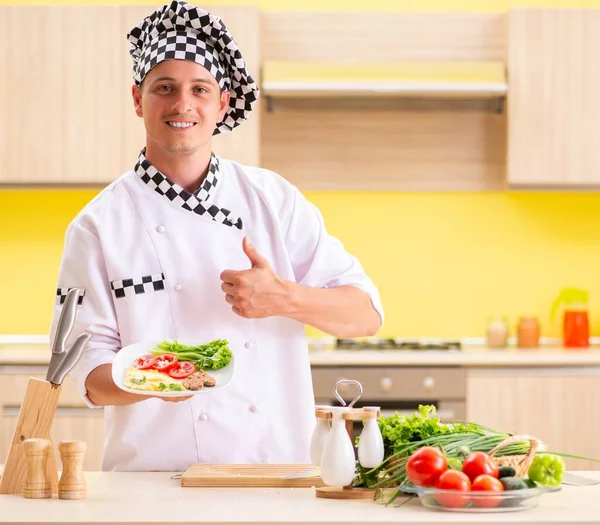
<point x="181" y="104"/>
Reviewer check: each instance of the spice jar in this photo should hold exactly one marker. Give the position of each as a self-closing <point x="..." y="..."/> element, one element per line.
<point x="528" y="332"/>
<point x="497" y="333"/>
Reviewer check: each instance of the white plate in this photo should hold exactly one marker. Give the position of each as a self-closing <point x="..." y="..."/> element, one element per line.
<point x="128" y="354"/>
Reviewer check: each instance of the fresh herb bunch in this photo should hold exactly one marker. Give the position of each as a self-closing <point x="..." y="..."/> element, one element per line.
<point x="210" y="356"/>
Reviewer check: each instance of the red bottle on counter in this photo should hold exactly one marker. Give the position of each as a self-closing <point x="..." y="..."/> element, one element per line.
<point x="576" y="330"/>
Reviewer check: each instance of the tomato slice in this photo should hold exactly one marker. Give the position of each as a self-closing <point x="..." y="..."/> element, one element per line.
<point x="182" y="369"/>
<point x="165" y="362"/>
<point x="145" y="362"/>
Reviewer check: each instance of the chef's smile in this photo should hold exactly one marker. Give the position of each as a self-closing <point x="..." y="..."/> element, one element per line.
<point x="179" y="126"/>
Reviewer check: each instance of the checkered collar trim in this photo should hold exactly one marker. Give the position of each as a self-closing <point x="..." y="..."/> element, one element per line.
<point x="195" y="202"/>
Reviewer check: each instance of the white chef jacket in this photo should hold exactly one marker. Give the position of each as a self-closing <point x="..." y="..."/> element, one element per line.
<point x="150" y="267"/>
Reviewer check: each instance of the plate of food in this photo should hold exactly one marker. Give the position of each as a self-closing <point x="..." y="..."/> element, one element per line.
<point x="174" y="368"/>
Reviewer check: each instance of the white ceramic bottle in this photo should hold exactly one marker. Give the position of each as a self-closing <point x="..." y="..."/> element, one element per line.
<point x="370" y="444"/>
<point x="338" y="463"/>
<point x="319" y="438"/>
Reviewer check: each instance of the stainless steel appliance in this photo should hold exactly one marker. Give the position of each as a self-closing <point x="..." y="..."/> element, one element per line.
<point x="396" y="388"/>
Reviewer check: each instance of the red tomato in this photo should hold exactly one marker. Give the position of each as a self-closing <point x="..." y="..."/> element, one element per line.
<point x="165" y="362"/>
<point x="478" y="463"/>
<point x="456" y="481"/>
<point x="182" y="369"/>
<point x="487" y="483"/>
<point x="425" y="465"/>
<point x="145" y="362"/>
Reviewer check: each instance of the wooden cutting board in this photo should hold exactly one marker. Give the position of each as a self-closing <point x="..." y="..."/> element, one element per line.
<point x="263" y="475"/>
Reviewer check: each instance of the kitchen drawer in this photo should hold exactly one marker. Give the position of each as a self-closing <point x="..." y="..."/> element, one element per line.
<point x="14" y="380"/>
<point x="70" y="424"/>
<point x="391" y="383"/>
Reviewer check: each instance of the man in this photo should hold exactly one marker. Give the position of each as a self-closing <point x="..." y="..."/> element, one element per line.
<point x="191" y="246"/>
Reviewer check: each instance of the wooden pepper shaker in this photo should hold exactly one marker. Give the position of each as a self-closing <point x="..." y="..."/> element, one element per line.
<point x="37" y="485"/>
<point x="72" y="480"/>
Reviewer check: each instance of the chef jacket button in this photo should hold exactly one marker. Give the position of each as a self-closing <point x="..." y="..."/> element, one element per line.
<point x="253" y="408"/>
<point x="178" y="287"/>
<point x="203" y="417"/>
<point x="249" y="344"/>
<point x="160" y="229"/>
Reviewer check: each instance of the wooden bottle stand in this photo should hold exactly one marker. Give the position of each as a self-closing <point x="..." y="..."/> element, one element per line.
<point x="348" y="492"/>
<point x="35" y="421"/>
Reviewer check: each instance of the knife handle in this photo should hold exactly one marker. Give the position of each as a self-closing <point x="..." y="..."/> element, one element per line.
<point x="70" y="359"/>
<point x="66" y="321"/>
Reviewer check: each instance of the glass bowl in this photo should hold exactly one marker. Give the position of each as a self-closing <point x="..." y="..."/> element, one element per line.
<point x="478" y="501"/>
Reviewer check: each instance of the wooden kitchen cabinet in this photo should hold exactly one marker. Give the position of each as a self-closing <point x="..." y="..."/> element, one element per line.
<point x="73" y="420"/>
<point x="557" y="405"/>
<point x="553" y="103"/>
<point x="69" y="118"/>
<point x="70" y="424"/>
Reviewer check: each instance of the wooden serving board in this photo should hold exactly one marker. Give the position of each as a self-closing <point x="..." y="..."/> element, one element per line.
<point x="263" y="475"/>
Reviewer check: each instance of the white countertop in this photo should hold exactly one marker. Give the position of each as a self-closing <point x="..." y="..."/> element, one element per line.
<point x="468" y="357"/>
<point x="38" y="354"/>
<point x="156" y="498"/>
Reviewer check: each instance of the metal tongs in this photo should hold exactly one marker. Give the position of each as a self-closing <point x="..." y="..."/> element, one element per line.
<point x="63" y="360"/>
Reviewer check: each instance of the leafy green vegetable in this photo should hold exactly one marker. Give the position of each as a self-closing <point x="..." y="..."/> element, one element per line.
<point x="210" y="356"/>
<point x="547" y="470"/>
<point x="398" y="430"/>
<point x="139" y="381"/>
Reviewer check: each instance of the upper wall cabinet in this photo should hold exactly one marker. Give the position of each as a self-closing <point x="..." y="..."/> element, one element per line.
<point x="384" y="101"/>
<point x="67" y="115"/>
<point x="553" y="100"/>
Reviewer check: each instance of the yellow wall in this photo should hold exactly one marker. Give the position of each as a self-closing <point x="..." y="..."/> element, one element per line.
<point x="443" y="262"/>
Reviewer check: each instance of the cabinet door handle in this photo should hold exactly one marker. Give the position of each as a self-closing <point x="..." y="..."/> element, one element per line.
<point x="386" y="384"/>
<point x="428" y="383"/>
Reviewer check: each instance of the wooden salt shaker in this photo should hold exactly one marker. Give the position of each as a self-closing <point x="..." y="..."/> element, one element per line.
<point x="72" y="480"/>
<point x="37" y="485"/>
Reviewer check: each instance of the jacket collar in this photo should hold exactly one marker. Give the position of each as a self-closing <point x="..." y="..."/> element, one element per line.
<point x="196" y="202"/>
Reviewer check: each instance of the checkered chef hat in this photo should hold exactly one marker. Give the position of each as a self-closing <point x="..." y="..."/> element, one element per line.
<point x="182" y="31"/>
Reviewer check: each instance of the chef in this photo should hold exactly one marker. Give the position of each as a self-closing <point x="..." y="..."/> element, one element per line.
<point x="188" y="245"/>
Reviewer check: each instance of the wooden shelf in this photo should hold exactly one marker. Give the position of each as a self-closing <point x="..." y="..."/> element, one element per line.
<point x="472" y="80"/>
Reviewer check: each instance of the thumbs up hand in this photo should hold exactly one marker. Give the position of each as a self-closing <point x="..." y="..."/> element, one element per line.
<point x="257" y="292"/>
<point x="256" y="259"/>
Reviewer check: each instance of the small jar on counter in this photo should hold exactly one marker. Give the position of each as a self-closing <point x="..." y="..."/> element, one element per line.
<point x="528" y="333"/>
<point x="497" y="333"/>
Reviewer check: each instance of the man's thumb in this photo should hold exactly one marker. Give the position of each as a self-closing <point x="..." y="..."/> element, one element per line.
<point x="257" y="260"/>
